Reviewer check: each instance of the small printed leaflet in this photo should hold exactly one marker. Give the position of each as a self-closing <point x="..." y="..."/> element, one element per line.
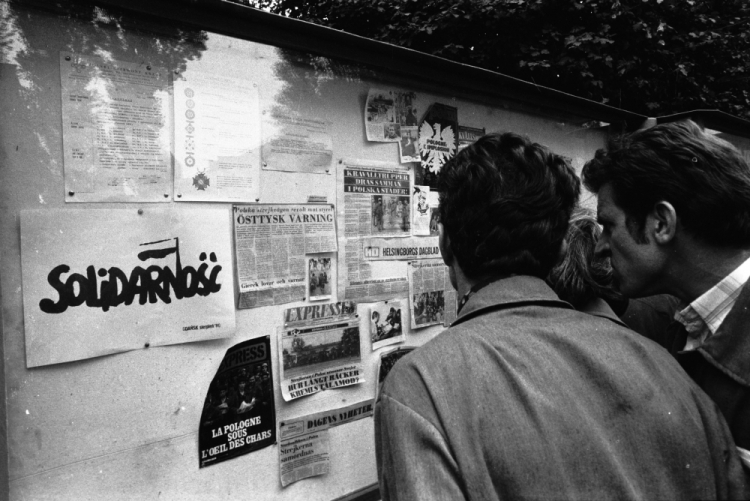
<point x="217" y="138"/>
<point x="115" y="130"/>
<point x="303" y="447"/>
<point x="438" y="142"/>
<point x="320" y="349"/>
<point x="238" y="414"/>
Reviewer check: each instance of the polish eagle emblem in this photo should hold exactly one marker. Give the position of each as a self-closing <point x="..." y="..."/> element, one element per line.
<point x="435" y="145"/>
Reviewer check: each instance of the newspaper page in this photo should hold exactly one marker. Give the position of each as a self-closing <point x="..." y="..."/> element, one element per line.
<point x="296" y="144"/>
<point x="374" y="200"/>
<point x="385" y="324"/>
<point x="387" y="112"/>
<point x="401" y="249"/>
<point x="386" y="362"/>
<point x="115" y="130"/>
<point x="438" y="141"/>
<point x="238" y="414"/>
<point x="271" y="242"/>
<point x="303" y="450"/>
<point x="467" y="135"/>
<point x="432" y="297"/>
<point x="217" y="138"/>
<point x="319" y="349"/>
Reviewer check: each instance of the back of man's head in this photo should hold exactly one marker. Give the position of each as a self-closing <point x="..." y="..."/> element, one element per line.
<point x="705" y="178"/>
<point x="505" y="203"/>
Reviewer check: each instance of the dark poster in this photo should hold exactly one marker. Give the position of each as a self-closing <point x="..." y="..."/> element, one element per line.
<point x="438" y="138"/>
<point x="238" y="414"/>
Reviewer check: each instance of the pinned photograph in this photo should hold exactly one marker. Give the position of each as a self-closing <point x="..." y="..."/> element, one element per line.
<point x="387" y="360"/>
<point x="319" y="278"/>
<point x="429" y="308"/>
<point x="409" y="144"/>
<point x="385" y="324"/>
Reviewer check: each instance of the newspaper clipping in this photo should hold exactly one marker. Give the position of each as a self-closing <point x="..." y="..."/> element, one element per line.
<point x="385" y="324"/>
<point x="433" y="299"/>
<point x="296" y="144"/>
<point x="319" y="349"/>
<point x="303" y="450"/>
<point x="238" y="414"/>
<point x="271" y="242"/>
<point x="387" y="112"/>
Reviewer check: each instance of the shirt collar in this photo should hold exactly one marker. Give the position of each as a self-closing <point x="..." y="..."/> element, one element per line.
<point x="705" y="314"/>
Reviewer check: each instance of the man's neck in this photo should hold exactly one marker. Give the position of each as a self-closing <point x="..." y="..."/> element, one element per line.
<point x="698" y="268"/>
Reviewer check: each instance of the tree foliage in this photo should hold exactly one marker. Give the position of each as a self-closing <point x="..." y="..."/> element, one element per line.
<point x="653" y="57"/>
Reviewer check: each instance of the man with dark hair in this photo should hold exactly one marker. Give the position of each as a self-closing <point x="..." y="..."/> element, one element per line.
<point x="523" y="397"/>
<point x="674" y="203"/>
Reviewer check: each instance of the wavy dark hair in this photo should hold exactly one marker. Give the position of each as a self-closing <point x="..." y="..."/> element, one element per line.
<point x="582" y="276"/>
<point x="505" y="203"/>
<point x="705" y="178"/>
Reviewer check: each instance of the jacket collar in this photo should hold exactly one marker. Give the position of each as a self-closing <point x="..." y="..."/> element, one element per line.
<point x="599" y="308"/>
<point x="509" y="291"/>
<point x="729" y="348"/>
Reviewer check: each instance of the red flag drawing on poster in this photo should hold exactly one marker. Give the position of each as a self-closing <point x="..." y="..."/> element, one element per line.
<point x="437" y="142"/>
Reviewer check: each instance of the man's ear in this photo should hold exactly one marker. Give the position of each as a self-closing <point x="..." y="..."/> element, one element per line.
<point x="663" y="222"/>
<point x="445" y="246"/>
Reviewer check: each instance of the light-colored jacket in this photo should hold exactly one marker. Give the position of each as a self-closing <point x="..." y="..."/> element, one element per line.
<point x="526" y="398"/>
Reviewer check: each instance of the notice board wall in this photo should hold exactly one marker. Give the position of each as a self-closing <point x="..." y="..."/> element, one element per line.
<point x="124" y="426"/>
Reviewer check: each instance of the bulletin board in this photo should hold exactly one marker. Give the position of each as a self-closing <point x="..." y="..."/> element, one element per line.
<point x="290" y="129"/>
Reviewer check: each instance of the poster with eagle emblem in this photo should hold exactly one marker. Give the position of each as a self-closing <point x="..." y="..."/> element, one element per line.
<point x="438" y="137"/>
